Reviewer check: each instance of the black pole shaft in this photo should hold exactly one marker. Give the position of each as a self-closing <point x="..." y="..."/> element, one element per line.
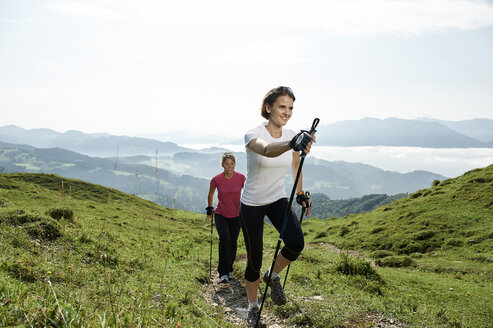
<point x="289" y="265"/>
<point x="210" y="257"/>
<point x="288" y="209"/>
<point x="281" y="234"/>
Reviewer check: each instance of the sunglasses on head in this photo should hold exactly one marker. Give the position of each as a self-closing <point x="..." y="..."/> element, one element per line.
<point x="280" y="91"/>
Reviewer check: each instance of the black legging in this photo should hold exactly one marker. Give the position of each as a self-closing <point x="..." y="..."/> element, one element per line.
<point x="252" y="223"/>
<point x="228" y="230"/>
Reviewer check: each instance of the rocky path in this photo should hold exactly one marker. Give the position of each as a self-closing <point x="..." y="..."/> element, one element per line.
<point x="231" y="301"/>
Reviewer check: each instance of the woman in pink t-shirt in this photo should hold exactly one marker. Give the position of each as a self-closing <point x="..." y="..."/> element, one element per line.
<point x="229" y="184"/>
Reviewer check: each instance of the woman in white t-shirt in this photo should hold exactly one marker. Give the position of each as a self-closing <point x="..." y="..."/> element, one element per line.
<point x="269" y="149"/>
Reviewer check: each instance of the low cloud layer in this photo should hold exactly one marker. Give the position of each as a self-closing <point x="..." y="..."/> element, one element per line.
<point x="448" y="162"/>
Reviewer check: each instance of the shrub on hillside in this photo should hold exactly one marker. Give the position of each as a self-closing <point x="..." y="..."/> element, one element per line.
<point x="356" y="266"/>
<point x="19" y="217"/>
<point x="344" y="231"/>
<point x="395" y="262"/>
<point x="422" y="246"/>
<point x="378" y="254"/>
<point x="377" y="229"/>
<point x="454" y="242"/>
<point x="44" y="229"/>
<point x="60" y="212"/>
<point x="23" y="269"/>
<point x="19" y="239"/>
<point x="423" y="235"/>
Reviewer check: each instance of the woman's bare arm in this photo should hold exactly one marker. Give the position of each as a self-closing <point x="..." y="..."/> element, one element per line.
<point x="268" y="150"/>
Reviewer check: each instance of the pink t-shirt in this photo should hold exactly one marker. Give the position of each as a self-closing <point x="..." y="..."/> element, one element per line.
<point x="228" y="193"/>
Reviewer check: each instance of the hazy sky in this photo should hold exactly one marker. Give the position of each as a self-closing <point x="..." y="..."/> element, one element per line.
<point x="151" y="66"/>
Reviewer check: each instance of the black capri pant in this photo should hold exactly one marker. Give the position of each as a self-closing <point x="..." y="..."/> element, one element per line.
<point x="252" y="224"/>
<point x="228" y="230"/>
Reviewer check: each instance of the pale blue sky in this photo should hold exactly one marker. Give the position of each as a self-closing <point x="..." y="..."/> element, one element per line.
<point x="150" y="66"/>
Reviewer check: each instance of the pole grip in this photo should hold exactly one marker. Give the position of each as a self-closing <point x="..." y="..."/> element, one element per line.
<point x="314" y="126"/>
<point x="312" y="131"/>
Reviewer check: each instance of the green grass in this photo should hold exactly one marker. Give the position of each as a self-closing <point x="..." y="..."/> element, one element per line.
<point x="83" y="255"/>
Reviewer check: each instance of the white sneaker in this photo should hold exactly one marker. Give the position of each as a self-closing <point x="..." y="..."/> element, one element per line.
<point x="224" y="279"/>
<point x="231" y="276"/>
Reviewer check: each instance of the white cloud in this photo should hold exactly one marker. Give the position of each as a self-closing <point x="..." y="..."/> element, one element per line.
<point x="350" y="17"/>
<point x="16" y="20"/>
<point x="450" y="162"/>
<point x="281" y="50"/>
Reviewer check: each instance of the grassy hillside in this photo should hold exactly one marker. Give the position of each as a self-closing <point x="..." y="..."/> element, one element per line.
<point x="81" y="255"/>
<point x="162" y="186"/>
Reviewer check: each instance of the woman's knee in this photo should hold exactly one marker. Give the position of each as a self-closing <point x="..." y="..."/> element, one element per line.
<point x="292" y="250"/>
<point x="295" y="243"/>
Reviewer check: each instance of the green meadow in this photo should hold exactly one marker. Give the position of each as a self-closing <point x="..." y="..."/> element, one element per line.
<point x="75" y="254"/>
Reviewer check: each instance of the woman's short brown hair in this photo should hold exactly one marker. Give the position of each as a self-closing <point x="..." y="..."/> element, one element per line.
<point x="271" y="97"/>
<point x="226" y="156"/>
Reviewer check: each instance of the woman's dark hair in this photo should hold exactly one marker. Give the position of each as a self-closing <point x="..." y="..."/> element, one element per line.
<point x="271" y="97"/>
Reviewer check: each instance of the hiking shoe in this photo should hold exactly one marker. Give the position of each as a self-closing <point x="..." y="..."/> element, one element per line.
<point x="276" y="291"/>
<point x="253" y="315"/>
<point x="230" y="276"/>
<point x="224" y="279"/>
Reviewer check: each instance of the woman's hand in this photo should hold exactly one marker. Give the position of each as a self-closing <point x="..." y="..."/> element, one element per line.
<point x="209" y="210"/>
<point x="301" y="141"/>
<point x="309" y="146"/>
<point x="304" y="200"/>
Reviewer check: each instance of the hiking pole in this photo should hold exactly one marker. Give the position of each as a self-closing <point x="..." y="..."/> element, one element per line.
<point x="210" y="257"/>
<point x="303" y="208"/>
<point x="288" y="209"/>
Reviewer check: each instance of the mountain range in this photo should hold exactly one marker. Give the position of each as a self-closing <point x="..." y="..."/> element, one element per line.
<point x="182" y="180"/>
<point x="176" y="176"/>
<point x="421" y="132"/>
<point x="97" y="144"/>
<point x="408" y="133"/>
<point x="427" y="133"/>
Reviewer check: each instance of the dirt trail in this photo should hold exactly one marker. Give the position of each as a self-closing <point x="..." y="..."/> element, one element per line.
<point x="231" y="301"/>
<point x="333" y="248"/>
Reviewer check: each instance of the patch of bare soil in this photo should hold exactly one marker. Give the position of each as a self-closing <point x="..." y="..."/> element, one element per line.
<point x="333" y="248"/>
<point x="231" y="301"/>
<point x="366" y="319"/>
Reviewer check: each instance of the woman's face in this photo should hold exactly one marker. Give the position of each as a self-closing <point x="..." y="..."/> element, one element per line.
<point x="281" y="110"/>
<point x="229" y="166"/>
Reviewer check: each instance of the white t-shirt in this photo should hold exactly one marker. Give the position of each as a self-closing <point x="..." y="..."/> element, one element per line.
<point x="265" y="175"/>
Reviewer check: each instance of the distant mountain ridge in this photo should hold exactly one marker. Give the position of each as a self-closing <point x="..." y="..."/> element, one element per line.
<point x="398" y="132"/>
<point x="476" y="133"/>
<point x="182" y="180"/>
<point x="479" y="128"/>
<point x="98" y="144"/>
<point x="426" y="133"/>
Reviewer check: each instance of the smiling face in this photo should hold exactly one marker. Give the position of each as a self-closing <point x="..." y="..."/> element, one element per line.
<point x="229" y="166"/>
<point x="281" y="110"/>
